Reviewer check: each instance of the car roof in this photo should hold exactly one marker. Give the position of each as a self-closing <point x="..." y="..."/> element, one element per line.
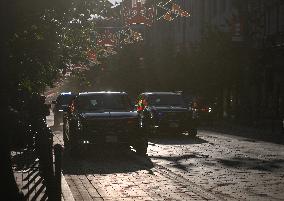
<point x="101" y="92"/>
<point x="161" y="93"/>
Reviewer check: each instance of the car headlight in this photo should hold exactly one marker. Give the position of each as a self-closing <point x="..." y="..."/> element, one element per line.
<point x="209" y="109"/>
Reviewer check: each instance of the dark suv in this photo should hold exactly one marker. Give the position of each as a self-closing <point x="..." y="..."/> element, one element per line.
<point x="102" y="119"/>
<point x="166" y="111"/>
<point x="60" y="104"/>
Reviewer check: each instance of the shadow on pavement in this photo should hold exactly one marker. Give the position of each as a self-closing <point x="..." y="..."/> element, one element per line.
<point x="251" y="133"/>
<point x="105" y="162"/>
<point x="28" y="176"/>
<point x="177" y="161"/>
<point x="177" y="139"/>
<point x="252" y="163"/>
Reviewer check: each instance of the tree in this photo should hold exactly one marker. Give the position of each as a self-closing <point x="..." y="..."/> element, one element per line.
<point x="43" y="37"/>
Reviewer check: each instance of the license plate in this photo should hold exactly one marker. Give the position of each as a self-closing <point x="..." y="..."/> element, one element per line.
<point x="111" y="138"/>
<point x="174" y="125"/>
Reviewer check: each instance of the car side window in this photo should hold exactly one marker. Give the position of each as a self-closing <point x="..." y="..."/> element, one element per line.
<point x="157" y="100"/>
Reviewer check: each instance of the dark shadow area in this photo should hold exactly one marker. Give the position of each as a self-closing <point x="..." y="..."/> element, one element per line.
<point x="35" y="187"/>
<point x="37" y="194"/>
<point x="31" y="180"/>
<point x="105" y="162"/>
<point x="177" y="160"/>
<point x="252" y="134"/>
<point x="176" y="139"/>
<point x="23" y="160"/>
<point x="252" y="163"/>
<point x="44" y="197"/>
<point x="30" y="174"/>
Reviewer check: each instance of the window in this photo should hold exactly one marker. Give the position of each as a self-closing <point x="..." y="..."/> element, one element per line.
<point x="166" y="100"/>
<point x="104" y="102"/>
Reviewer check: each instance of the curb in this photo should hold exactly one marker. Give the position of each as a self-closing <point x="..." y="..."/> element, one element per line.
<point x="66" y="191"/>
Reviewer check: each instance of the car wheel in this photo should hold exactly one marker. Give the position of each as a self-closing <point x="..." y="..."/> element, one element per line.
<point x="192" y="132"/>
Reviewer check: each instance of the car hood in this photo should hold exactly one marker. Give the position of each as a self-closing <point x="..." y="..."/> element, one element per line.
<point x="108" y="114"/>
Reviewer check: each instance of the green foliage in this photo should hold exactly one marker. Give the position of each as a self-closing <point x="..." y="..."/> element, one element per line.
<point x="43" y="37"/>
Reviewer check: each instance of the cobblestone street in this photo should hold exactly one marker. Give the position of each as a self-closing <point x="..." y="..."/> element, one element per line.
<point x="212" y="166"/>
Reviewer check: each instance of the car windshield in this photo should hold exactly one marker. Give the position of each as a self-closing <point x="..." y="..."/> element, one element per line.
<point x="94" y="102"/>
<point x="64" y="99"/>
<point x="166" y="100"/>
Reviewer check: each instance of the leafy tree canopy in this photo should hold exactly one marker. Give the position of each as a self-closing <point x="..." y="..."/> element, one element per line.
<point x="43" y="37"/>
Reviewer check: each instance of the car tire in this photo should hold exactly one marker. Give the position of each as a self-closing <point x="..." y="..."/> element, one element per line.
<point x="192" y="132"/>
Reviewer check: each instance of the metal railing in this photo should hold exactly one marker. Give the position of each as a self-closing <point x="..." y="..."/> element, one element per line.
<point x="37" y="166"/>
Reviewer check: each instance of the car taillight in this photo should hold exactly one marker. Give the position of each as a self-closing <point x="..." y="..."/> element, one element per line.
<point x="139" y="108"/>
<point x="204" y="109"/>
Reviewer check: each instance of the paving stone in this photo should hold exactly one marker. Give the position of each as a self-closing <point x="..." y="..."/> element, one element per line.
<point x="213" y="166"/>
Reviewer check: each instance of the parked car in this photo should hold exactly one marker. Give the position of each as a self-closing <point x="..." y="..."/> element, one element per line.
<point x="102" y="119"/>
<point x="166" y="111"/>
<point x="61" y="103"/>
<point x="205" y="108"/>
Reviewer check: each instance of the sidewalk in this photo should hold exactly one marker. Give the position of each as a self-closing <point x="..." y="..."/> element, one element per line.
<point x="33" y="187"/>
<point x="26" y="173"/>
<point x="29" y="180"/>
<point x="66" y="191"/>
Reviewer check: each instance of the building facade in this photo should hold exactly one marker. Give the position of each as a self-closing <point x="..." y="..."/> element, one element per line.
<point x="256" y="25"/>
